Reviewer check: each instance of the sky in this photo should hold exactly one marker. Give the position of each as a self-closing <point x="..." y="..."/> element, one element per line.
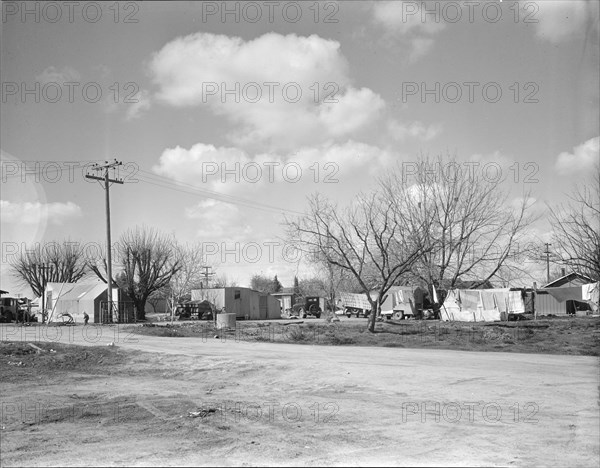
<point x="226" y="116"/>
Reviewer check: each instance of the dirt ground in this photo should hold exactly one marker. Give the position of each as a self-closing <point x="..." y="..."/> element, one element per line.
<point x="558" y="335"/>
<point x="189" y="401"/>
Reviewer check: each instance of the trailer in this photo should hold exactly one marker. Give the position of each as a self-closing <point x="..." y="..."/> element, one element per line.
<point x="398" y="303"/>
<point x="354" y="303"/>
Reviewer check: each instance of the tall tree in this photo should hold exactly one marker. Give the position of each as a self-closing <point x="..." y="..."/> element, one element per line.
<point x="148" y="261"/>
<point x="576" y="229"/>
<point x="223" y="281"/>
<point x="475" y="229"/>
<point x="296" y="286"/>
<point x="276" y="287"/>
<point x="261" y="283"/>
<point x="51" y="262"/>
<point x="377" y="240"/>
<point x="188" y="277"/>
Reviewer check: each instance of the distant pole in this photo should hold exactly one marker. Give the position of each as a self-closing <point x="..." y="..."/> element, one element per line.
<point x="547" y="252"/>
<point x="206" y="274"/>
<point x="107" y="182"/>
<point x="533" y="300"/>
<point x="18" y="308"/>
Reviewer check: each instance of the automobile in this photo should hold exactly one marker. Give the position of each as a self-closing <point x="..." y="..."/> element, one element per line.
<point x="187" y="310"/>
<point x="311" y="305"/>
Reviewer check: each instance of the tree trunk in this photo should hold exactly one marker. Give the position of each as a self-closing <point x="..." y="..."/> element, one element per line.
<point x="140" y="308"/>
<point x="373" y="317"/>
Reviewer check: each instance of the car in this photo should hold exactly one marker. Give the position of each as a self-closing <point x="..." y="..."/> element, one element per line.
<point x="310" y="305"/>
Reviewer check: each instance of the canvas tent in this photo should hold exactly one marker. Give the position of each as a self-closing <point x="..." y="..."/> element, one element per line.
<point x="245" y="303"/>
<point x="85" y="296"/>
<point x="400" y="300"/>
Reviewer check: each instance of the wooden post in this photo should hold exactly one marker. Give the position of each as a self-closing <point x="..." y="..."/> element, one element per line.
<point x="534" y="293"/>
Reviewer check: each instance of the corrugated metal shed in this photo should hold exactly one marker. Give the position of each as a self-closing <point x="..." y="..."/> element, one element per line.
<point x="245" y="303"/>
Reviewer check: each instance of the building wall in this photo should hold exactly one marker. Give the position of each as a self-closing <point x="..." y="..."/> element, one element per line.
<point x="545" y="304"/>
<point x="273" y="308"/>
<point x="245" y="303"/>
<point x="285" y="301"/>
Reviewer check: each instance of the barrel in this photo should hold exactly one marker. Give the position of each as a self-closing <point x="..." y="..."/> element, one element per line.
<point x="225" y="321"/>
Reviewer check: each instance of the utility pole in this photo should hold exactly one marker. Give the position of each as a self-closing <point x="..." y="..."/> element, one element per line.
<point x="107" y="180"/>
<point x="547" y="252"/>
<point x="206" y="274"/>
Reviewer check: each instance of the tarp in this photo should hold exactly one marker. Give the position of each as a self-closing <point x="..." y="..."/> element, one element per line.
<point x="591" y="294"/>
<point x="358" y="301"/>
<point x="573" y="293"/>
<point x="480" y="305"/>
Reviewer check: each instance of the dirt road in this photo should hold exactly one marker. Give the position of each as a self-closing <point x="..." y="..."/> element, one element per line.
<point x="284" y="404"/>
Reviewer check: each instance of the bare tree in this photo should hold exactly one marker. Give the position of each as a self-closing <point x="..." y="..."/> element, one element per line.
<point x="263" y="283"/>
<point x="148" y="261"/>
<point x="188" y="277"/>
<point x="476" y="233"/>
<point x="223" y="281"/>
<point x="50" y="262"/>
<point x="577" y="229"/>
<point x="377" y="240"/>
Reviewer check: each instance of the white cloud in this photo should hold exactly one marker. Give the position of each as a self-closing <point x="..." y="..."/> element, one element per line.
<point x="558" y="20"/>
<point x="583" y="158"/>
<point x="409" y="24"/>
<point x="286" y="91"/>
<point x="219" y="220"/>
<point x="137" y="108"/>
<point x="53" y="75"/>
<point x="203" y="164"/>
<point x="353" y="111"/>
<point x="415" y="129"/>
<point x="226" y="169"/>
<point x="37" y="213"/>
<point x="406" y="18"/>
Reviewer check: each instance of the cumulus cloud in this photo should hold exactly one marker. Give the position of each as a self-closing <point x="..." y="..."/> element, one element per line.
<point x="219" y="220"/>
<point x="33" y="213"/>
<point x="416" y="129"/>
<point x="558" y="20"/>
<point x="583" y="158"/>
<point x="407" y="23"/>
<point x="225" y="169"/>
<point x="141" y="105"/>
<point x="406" y="18"/>
<point x="281" y="91"/>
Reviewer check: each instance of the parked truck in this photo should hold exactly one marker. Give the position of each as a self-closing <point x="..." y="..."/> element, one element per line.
<point x="9" y="307"/>
<point x="15" y="309"/>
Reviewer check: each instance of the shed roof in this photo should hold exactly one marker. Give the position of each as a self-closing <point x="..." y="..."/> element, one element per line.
<point x="572" y="279"/>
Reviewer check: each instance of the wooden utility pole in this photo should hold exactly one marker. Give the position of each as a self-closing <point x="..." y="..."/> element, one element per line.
<point x="107" y="180"/>
<point x="547" y="252"/>
<point x="206" y="275"/>
<point x="533" y="298"/>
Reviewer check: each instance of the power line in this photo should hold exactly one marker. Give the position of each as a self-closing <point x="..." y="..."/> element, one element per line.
<point x="156" y="180"/>
<point x="185" y="187"/>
